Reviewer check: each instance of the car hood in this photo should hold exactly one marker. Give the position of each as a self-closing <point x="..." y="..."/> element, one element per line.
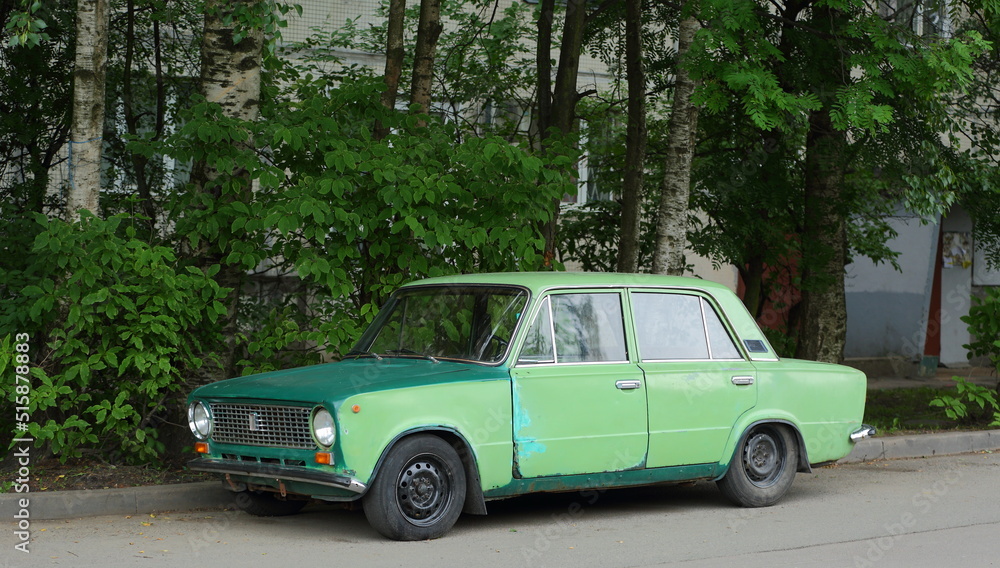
<point x="333" y="382"/>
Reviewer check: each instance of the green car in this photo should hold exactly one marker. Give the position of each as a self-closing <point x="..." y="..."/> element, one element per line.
<point x="467" y="389"/>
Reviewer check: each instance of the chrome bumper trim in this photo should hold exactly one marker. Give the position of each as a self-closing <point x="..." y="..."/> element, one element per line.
<point x="861" y="433"/>
<point x="278" y="472"/>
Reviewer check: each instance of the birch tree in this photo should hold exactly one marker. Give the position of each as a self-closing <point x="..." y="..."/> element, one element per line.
<point x="86" y="136"/>
<point x="675" y="187"/>
<point x="231" y="55"/>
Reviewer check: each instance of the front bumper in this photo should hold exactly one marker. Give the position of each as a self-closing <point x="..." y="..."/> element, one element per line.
<point x="278" y="472"/>
<point x="865" y="431"/>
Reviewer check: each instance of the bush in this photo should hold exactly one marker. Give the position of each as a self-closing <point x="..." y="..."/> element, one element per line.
<point x="961" y="408"/>
<point x="984" y="327"/>
<point x="116" y="326"/>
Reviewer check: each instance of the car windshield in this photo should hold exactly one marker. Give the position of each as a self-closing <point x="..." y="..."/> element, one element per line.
<point x="469" y="323"/>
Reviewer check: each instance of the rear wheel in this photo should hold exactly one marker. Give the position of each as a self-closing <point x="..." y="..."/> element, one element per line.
<point x="267" y="504"/>
<point x="763" y="468"/>
<point x="419" y="491"/>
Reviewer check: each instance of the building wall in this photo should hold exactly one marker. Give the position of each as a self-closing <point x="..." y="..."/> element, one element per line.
<point x="887" y="310"/>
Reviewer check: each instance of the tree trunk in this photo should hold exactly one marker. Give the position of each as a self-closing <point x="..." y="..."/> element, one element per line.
<point x="671" y="229"/>
<point x="543" y="64"/>
<point x="823" y="310"/>
<point x="564" y="97"/>
<point x="87" y="134"/>
<point x="230" y="76"/>
<point x="230" y="72"/>
<point x="428" y="32"/>
<point x="752" y="275"/>
<point x="139" y="161"/>
<point x="635" y="140"/>
<point x="393" y="60"/>
<point x="822" y="316"/>
<point x="565" y="94"/>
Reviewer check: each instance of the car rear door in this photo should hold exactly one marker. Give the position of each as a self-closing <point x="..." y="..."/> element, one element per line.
<point x="698" y="382"/>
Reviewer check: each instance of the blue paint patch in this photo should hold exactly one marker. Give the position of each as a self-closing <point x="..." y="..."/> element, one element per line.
<point x="526" y="446"/>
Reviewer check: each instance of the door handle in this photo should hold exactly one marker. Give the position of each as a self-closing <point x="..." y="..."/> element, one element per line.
<point x="743" y="380"/>
<point x="628" y="385"/>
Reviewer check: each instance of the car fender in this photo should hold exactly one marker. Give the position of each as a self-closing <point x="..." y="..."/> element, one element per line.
<point x="753" y="419"/>
<point x="475" y="502"/>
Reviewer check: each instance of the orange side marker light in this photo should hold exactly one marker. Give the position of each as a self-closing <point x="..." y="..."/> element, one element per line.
<point x="324" y="458"/>
<point x="201" y="447"/>
<point x="356" y="408"/>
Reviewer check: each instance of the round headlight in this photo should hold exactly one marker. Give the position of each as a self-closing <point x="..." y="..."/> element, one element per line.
<point x="323" y="428"/>
<point x="199" y="420"/>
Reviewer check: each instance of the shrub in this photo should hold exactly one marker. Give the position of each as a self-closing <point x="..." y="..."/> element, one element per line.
<point x="961" y="408"/>
<point x="984" y="327"/>
<point x="116" y="326"/>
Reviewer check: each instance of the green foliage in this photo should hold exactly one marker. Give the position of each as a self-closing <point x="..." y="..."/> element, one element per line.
<point x="984" y="326"/>
<point x="588" y="235"/>
<point x="26" y="27"/>
<point x="35" y="102"/>
<point x="891" y="410"/>
<point x="265" y="15"/>
<point x="962" y="408"/>
<point x="484" y="61"/>
<point x="117" y="327"/>
<point x="344" y="217"/>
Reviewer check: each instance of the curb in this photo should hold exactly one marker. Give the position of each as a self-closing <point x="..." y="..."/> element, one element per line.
<point x="924" y="445"/>
<point x="51" y="505"/>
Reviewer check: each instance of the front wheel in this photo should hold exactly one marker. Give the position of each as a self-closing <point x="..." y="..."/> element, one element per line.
<point x="419" y="491"/>
<point x="763" y="468"/>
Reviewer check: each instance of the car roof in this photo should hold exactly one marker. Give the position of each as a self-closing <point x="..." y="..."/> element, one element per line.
<point x="539" y="281"/>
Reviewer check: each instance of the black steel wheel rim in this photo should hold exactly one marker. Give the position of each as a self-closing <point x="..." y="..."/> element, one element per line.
<point x="763" y="458"/>
<point x="423" y="490"/>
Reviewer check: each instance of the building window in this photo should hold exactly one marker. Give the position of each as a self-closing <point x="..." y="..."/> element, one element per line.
<point x="926" y="18"/>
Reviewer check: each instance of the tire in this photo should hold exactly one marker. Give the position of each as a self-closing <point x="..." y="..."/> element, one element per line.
<point x="419" y="491"/>
<point x="763" y="468"/>
<point x="267" y="504"/>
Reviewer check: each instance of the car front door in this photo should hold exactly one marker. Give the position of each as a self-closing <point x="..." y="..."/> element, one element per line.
<point x="579" y="402"/>
<point x="697" y="380"/>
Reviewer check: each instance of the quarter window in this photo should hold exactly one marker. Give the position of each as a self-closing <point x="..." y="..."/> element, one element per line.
<point x="538" y="346"/>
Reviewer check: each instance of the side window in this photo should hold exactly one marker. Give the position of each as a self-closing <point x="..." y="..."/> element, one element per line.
<point x="589" y="327"/>
<point x="576" y="328"/>
<point x="680" y="327"/>
<point x="669" y="326"/>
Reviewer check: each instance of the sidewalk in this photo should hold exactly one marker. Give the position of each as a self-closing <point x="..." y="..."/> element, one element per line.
<point x="212" y="495"/>
<point x="984" y="376"/>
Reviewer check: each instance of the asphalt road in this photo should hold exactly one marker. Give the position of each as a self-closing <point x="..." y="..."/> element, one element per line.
<point x="928" y="512"/>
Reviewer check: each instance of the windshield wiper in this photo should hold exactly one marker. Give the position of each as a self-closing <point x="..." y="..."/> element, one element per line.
<point x="359" y="354"/>
<point x="430" y="358"/>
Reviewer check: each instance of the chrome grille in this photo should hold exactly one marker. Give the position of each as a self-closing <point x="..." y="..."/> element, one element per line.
<point x="262" y="425"/>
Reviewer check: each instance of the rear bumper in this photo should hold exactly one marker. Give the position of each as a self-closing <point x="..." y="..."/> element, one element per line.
<point x="278" y="472"/>
<point x="865" y="431"/>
